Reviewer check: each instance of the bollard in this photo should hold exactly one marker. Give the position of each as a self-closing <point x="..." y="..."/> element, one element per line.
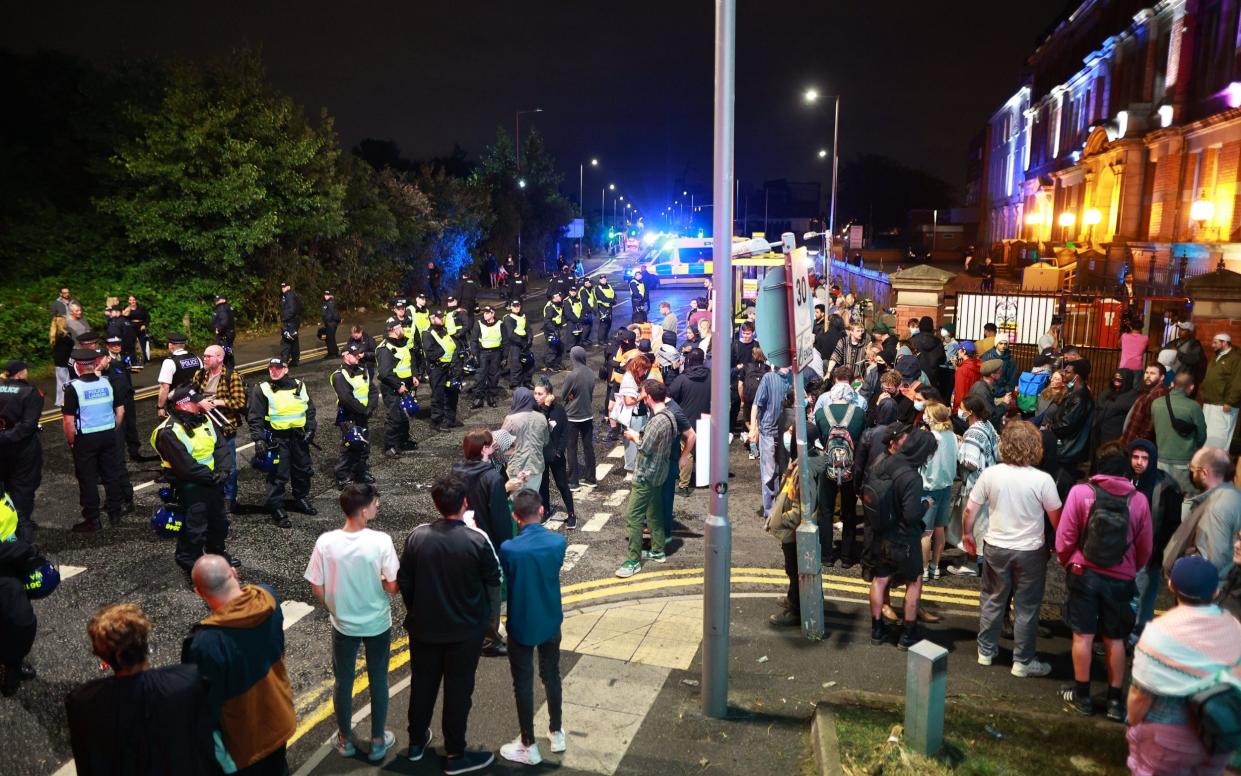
<point x="926" y="685"/>
<point x="810" y="574"/>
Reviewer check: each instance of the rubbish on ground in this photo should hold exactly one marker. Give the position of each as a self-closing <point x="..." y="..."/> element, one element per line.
<point x="993" y="731"/>
<point x="763" y="659"/>
<point x="690" y="682"/>
<point x="828" y="685"/>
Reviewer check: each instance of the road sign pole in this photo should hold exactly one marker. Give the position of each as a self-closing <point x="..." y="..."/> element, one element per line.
<point x="809" y="568"/>
<point x="719" y="538"/>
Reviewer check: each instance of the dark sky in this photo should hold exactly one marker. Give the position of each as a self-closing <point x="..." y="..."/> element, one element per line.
<point x="629" y="82"/>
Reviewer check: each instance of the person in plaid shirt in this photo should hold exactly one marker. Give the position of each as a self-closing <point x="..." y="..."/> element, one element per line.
<point x="655" y="451"/>
<point x="226" y="400"/>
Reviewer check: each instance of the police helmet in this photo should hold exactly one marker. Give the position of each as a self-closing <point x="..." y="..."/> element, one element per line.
<point x="167" y="521"/>
<point x="41" y="582"/>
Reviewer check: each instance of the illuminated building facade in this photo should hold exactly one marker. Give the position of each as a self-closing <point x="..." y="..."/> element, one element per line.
<point x="1122" y="146"/>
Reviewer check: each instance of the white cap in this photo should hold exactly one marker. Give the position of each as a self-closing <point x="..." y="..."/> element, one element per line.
<point x="1186" y="325"/>
<point x="1225" y="336"/>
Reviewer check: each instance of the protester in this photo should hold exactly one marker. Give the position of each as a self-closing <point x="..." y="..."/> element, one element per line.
<point x="531" y="563"/>
<point x="1180" y="430"/>
<point x="840" y="423"/>
<point x="627" y="409"/>
<point x="765" y="420"/>
<point x="655" y="448"/>
<point x="1071" y="424"/>
<point x="1006" y="379"/>
<point x="553" y="451"/>
<point x="445" y="572"/>
<point x="1193" y="647"/>
<point x="786" y="515"/>
<point x="239" y="652"/>
<point x="578" y="390"/>
<point x="1113" y="407"/>
<point x="978" y="451"/>
<point x="691" y="390"/>
<point x="140" y="720"/>
<point x="1214" y="514"/>
<point x="352" y="571"/>
<point x="530" y="430"/>
<point x="1164" y="498"/>
<point x="1103" y="538"/>
<point x="1221" y="391"/>
<point x="938" y="475"/>
<point x="1138" y="423"/>
<point x="1016" y="496"/>
<point x="850" y="351"/>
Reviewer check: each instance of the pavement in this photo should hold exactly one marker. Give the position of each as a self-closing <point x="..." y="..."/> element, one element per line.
<point x="631" y="651"/>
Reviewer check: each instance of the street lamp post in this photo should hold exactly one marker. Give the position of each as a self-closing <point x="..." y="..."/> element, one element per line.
<point x="811" y="96"/>
<point x="581" y="201"/>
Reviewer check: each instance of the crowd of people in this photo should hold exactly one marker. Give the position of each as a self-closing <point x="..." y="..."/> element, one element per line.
<point x="961" y="462"/>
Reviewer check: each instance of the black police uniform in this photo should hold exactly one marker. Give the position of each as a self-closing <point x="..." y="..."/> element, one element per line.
<point x="293" y="443"/>
<point x="516" y="288"/>
<point x="442" y="354"/>
<point x="290" y="322"/>
<point x="366" y="344"/>
<point x="122" y="329"/>
<point x="123" y="382"/>
<point x="225" y="328"/>
<point x="331" y="320"/>
<point x="21" y="451"/>
<point x="553" y="325"/>
<point x="91" y="401"/>
<point x="395" y="361"/>
<point x="356" y="397"/>
<point x="198" y="485"/>
<point x="184" y="365"/>
<point x="517" y="340"/>
<point x="487" y="341"/>
<point x="639" y="296"/>
<point x="467" y="297"/>
<point x="605" y="300"/>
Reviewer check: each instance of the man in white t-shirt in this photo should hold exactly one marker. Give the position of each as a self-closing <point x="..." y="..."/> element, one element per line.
<point x="353" y="571"/>
<point x="1016" y="495"/>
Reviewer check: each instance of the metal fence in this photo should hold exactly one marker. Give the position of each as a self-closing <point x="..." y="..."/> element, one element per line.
<point x="862" y="283"/>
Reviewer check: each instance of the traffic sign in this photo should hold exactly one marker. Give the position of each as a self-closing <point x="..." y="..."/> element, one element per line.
<point x="801" y="302"/>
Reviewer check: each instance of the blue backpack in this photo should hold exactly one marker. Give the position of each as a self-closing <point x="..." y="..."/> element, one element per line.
<point x="1029" y="386"/>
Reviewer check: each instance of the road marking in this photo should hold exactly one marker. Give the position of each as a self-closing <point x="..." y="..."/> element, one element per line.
<point x="572" y="555"/>
<point x="294" y="611"/>
<point x="617" y="452"/>
<point x="596" y="523"/>
<point x="616" y="498"/>
<point x="67" y="572"/>
<point x="611" y="699"/>
<point x="602" y="470"/>
<point x="318" y="757"/>
<point x="144" y="486"/>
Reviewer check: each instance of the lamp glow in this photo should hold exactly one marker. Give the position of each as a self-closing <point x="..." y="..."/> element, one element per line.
<point x="594" y="162"/>
<point x="521" y="183"/>
<point x="1092" y="216"/>
<point x="822" y="153"/>
<point x="1034" y="219"/>
<point x="1202" y="210"/>
<point x="811" y="95"/>
<point x="611" y="187"/>
<point x="1067" y="219"/>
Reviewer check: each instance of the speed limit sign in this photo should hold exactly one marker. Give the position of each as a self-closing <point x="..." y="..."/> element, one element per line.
<point x="801" y="303"/>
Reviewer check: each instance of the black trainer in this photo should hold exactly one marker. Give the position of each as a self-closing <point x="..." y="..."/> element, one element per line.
<point x="878" y="631"/>
<point x="281" y="518"/>
<point x="1083" y="706"/>
<point x="416" y="751"/>
<point x="468" y="762"/>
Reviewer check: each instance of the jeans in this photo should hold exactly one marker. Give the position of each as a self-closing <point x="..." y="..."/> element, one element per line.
<point x="230" y="483"/>
<point x="1148" y="580"/>
<point x="631" y="449"/>
<point x="668" y="489"/>
<point x="1023" y="573"/>
<point x="344" y="665"/>
<point x="767" y="469"/>
<point x="62" y="379"/>
<point x="455" y="664"/>
<point x="584" y="430"/>
<point x="556" y="471"/>
<point x="521" y="665"/>
<point x="644" y="506"/>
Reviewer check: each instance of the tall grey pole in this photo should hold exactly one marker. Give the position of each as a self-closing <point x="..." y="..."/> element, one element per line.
<point x="603" y="214"/>
<point x="719" y="537"/>
<point x="831" y="214"/>
<point x="581" y="204"/>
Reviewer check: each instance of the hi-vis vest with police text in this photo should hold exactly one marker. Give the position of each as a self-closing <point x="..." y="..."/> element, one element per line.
<point x="605" y="296"/>
<point x="200" y="444"/>
<point x="95" y="412"/>
<point x="8" y="518"/>
<point x="557" y="318"/>
<point x="448" y="344"/>
<point x="404" y="358"/>
<point x="489" y="336"/>
<point x="450" y="323"/>
<point x="422" y="320"/>
<point x="286" y="409"/>
<point x="519" y="324"/>
<point x="185" y="365"/>
<point x="360" y="385"/>
<point x="576" y="306"/>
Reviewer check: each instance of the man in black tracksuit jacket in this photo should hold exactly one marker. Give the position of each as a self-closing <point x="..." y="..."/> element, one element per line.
<point x="331" y="319"/>
<point x="290" y="322"/>
<point x="446" y="570"/>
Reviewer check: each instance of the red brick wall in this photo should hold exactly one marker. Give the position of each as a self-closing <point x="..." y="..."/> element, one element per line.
<point x="1164" y="197"/>
<point x="1205" y="330"/>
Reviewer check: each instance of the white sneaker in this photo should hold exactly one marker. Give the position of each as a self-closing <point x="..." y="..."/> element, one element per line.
<point x="558" y="742"/>
<point x="1035" y="667"/>
<point x="963" y="571"/>
<point x="926" y="574"/>
<point x="984" y="660"/>
<point x="516" y="751"/>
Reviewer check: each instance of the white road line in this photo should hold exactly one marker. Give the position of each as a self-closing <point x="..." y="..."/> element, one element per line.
<point x="319" y="756"/>
<point x="617" y="452"/>
<point x="294" y="611"/>
<point x="616" y="498"/>
<point x="602" y="470"/>
<point x="68" y="769"/>
<point x="610" y="699"/>
<point x="67" y="572"/>
<point x="597" y="522"/>
<point x="572" y="555"/>
<point x="153" y="483"/>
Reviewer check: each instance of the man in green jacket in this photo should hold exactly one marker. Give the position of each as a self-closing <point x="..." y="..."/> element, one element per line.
<point x="1175" y="448"/>
<point x="1221" y="391"/>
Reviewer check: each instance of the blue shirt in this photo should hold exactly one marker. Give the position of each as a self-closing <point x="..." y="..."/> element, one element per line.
<point x="769" y="399"/>
<point x="531" y="563"/>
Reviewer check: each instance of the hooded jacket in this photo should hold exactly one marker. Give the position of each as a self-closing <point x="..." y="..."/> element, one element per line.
<point x="1112" y="409"/>
<point x="1076" y="513"/>
<point x="578" y="387"/>
<point x="967" y="373"/>
<point x="484" y="492"/>
<point x="239" y="651"/>
<point x="1164" y="497"/>
<point x="1071" y="424"/>
<point x="929" y="348"/>
<point x="531" y="432"/>
<point x="691" y="390"/>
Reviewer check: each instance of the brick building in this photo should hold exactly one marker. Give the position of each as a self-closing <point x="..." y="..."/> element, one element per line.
<point x="1122" y="144"/>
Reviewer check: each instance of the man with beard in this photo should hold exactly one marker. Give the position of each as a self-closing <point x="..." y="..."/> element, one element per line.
<point x="1071" y="425"/>
<point x="1139" y="425"/>
<point x="1189" y="353"/>
<point x="1164" y="498"/>
<point x="1221" y="391"/>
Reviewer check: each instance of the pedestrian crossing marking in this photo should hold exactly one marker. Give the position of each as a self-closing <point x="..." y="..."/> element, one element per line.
<point x="616" y="498"/>
<point x="597" y="522"/>
<point x="617" y="452"/>
<point x="572" y="555"/>
<point x="70" y="571"/>
<point x="602" y="470"/>
<point x="294" y="611"/>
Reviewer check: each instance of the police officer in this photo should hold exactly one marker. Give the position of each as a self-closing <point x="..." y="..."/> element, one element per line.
<point x="553" y="325"/>
<point x="573" y="316"/>
<point x="587" y="295"/>
<point x="21" y="452"/>
<point x="366" y="343"/>
<point x="638" y="295"/>
<point x="559" y="282"/>
<point x="356" y="398"/>
<point x="422" y="322"/>
<point x="400" y="311"/>
<point x="467" y="296"/>
<point x="282" y="416"/>
<point x="118" y="373"/>
<point x="455" y="322"/>
<point x="331" y="319"/>
<point x="395" y="359"/>
<point x="517" y="340"/>
<point x="290" y="322"/>
<point x="225" y="328"/>
<point x="194" y="458"/>
<point x="92" y="410"/>
<point x="516" y="283"/>
<point x="442" y="356"/>
<point x="487" y="340"/>
<point x="605" y="300"/>
<point x="176" y="370"/>
<point x="120" y="327"/>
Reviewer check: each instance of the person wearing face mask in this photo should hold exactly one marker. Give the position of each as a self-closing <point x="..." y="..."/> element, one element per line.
<point x="966" y="372"/>
<point x="1070" y="424"/>
<point x="1108" y="422"/>
<point x="1221" y="391"/>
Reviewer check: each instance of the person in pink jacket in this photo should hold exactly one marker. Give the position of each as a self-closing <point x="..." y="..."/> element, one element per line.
<point x="1103" y="538"/>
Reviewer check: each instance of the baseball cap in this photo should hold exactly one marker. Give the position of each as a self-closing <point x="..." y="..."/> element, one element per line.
<point x="894" y="430"/>
<point x="909" y="367"/>
<point x="969" y="347"/>
<point x="1195" y="578"/>
<point x="277" y="361"/>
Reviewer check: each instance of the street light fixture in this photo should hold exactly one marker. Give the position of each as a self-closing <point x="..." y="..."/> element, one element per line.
<point x="521" y="183"/>
<point x="822" y="153"/>
<point x="581" y="198"/>
<point x="1066" y="220"/>
<point x="810" y="97"/>
<point x="1201" y="211"/>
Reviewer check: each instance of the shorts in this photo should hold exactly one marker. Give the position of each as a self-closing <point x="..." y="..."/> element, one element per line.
<point x="896" y="556"/>
<point x="1097" y="604"/>
<point x="939" y="513"/>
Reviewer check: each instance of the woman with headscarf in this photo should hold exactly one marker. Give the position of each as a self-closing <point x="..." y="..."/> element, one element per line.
<point x="530" y="432"/>
<point x="896" y="556"/>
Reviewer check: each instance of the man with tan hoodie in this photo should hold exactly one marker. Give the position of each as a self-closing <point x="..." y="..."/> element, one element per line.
<point x="239" y="651"/>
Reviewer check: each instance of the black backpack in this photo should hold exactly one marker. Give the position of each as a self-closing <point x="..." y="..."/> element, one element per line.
<point x="1105" y="538"/>
<point x="879" y="499"/>
<point x="1218" y="711"/>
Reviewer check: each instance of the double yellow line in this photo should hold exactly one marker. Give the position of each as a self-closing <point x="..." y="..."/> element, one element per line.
<point x="315" y="705"/>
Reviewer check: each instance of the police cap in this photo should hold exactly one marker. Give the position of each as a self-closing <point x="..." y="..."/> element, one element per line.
<point x="82" y="355"/>
<point x="87" y="338"/>
<point x="177" y="338"/>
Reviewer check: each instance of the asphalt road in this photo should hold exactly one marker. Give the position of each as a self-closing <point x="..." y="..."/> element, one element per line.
<point x="130" y="563"/>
